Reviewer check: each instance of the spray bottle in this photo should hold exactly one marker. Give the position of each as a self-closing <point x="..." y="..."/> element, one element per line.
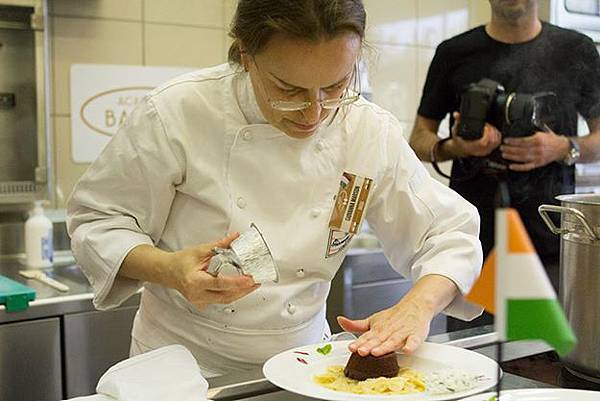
<point x="39" y="248"/>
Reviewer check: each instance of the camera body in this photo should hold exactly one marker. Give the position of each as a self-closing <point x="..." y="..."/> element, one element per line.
<point x="514" y="114"/>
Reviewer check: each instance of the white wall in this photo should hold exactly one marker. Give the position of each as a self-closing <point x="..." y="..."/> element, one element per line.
<point x="188" y="33"/>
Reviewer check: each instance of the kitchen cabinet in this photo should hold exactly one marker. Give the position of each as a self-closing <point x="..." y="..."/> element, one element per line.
<point x="62" y="356"/>
<point x="30" y="360"/>
<point x="93" y="342"/>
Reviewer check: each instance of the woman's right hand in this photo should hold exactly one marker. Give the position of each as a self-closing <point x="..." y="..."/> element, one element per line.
<point x="490" y="140"/>
<point x="190" y="278"/>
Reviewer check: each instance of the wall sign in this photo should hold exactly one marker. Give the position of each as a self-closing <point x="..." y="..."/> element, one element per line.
<point x="102" y="96"/>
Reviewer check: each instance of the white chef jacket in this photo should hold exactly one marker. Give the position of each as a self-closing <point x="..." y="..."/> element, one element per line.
<point x="196" y="160"/>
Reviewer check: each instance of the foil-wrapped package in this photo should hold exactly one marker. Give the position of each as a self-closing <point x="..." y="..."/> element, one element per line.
<point x="249" y="254"/>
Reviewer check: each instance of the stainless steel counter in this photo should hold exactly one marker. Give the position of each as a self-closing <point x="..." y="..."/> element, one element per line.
<point x="48" y="300"/>
<point x="51" y="302"/>
<point x="60" y="345"/>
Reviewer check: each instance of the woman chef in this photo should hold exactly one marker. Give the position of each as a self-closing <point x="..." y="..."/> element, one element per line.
<point x="271" y="138"/>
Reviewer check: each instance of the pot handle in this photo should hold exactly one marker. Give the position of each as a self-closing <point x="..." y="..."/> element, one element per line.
<point x="544" y="209"/>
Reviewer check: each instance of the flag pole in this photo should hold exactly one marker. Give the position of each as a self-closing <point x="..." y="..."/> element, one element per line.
<point x="499" y="372"/>
<point x="502" y="202"/>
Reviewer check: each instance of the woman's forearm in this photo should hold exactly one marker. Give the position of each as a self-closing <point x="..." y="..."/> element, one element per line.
<point x="151" y="264"/>
<point x="434" y="292"/>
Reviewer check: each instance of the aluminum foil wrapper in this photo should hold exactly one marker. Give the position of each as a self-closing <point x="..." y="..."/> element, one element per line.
<point x="249" y="254"/>
<point x="224" y="260"/>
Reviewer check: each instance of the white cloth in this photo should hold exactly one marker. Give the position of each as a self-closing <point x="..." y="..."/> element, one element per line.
<point x="196" y="160"/>
<point x="93" y="397"/>
<point x="165" y="374"/>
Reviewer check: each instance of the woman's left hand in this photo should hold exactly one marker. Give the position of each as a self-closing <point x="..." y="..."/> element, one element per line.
<point x="402" y="327"/>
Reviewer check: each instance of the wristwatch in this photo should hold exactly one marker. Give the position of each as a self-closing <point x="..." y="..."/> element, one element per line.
<point x="574" y="152"/>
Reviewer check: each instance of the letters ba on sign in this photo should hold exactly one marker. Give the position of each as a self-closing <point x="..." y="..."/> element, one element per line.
<point x="102" y="97"/>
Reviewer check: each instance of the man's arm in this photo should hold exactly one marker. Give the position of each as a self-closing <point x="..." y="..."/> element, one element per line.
<point x="590" y="144"/>
<point x="424" y="137"/>
<point x="546" y="147"/>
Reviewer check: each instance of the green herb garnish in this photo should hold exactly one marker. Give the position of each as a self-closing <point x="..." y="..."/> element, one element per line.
<point x="326" y="349"/>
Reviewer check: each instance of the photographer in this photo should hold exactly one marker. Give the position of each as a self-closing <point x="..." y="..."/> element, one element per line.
<point x="524" y="55"/>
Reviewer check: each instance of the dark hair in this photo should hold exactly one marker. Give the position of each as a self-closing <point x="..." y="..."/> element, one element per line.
<point x="256" y="21"/>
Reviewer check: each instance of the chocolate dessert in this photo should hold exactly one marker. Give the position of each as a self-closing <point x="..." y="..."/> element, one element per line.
<point x="368" y="367"/>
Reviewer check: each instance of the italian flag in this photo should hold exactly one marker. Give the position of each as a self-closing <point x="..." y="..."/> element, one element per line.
<point x="513" y="285"/>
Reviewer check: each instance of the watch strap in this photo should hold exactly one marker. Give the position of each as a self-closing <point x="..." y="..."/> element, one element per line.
<point x="574" y="153"/>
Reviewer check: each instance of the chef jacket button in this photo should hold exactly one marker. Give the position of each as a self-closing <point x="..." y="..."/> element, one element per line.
<point x="319" y="146"/>
<point x="247" y="135"/>
<point x="241" y="202"/>
<point x="315" y="213"/>
<point x="228" y="310"/>
<point x="291" y="309"/>
<point x="300" y="273"/>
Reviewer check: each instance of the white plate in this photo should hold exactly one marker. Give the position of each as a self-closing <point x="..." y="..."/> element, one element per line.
<point x="541" y="394"/>
<point x="293" y="370"/>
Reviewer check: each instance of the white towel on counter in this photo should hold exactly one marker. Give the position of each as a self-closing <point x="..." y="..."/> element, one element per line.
<point x="95" y="397"/>
<point x="165" y="374"/>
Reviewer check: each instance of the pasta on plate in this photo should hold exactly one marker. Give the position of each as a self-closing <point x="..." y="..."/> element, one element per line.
<point x="407" y="381"/>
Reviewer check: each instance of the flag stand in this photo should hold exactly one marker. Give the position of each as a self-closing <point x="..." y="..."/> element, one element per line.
<point x="499" y="376"/>
<point x="502" y="201"/>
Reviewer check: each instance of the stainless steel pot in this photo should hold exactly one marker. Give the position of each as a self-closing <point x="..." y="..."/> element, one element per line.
<point x="579" y="290"/>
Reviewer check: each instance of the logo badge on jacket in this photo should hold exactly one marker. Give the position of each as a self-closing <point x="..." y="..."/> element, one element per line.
<point x="348" y="211"/>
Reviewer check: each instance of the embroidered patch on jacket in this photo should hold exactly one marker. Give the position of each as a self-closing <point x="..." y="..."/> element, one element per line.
<point x="348" y="211"/>
<point x="337" y="242"/>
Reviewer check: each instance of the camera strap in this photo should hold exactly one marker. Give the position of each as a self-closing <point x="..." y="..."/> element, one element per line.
<point x="433" y="156"/>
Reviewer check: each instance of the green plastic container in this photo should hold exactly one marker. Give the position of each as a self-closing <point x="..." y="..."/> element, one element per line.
<point x="14" y="295"/>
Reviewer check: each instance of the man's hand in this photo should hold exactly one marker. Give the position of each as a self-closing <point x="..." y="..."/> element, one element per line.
<point x="190" y="278"/>
<point x="490" y="140"/>
<point x="402" y="327"/>
<point x="534" y="151"/>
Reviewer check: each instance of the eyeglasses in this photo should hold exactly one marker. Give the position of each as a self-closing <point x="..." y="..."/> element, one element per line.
<point x="347" y="97"/>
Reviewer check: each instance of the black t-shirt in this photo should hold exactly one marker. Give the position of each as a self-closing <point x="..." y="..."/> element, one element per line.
<point x="558" y="60"/>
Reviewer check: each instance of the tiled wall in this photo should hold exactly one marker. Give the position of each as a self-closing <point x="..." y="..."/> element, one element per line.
<point x="192" y="33"/>
<point x="188" y="33"/>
